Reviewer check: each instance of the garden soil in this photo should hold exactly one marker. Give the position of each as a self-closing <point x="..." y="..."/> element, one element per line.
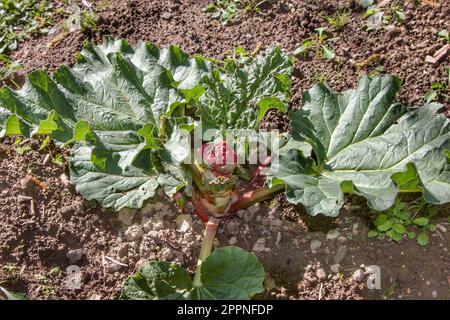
<point x="46" y="227"/>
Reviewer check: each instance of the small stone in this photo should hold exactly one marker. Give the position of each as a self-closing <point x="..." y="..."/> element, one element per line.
<point x="315" y="244"/>
<point x="166" y="254"/>
<point x="74" y="255"/>
<point x="241" y="213"/>
<point x="22" y="198"/>
<point x="442" y="53"/>
<point x="27" y="184"/>
<point x="79" y="207"/>
<point x="167" y="15"/>
<point x="340" y="254"/>
<point x="335" y="268"/>
<point x="434" y="293"/>
<point x="233" y="226"/>
<point x="358" y="276"/>
<point x="153" y="234"/>
<point x="146" y="224"/>
<point x="95" y="296"/>
<point x="123" y="250"/>
<point x="232" y="241"/>
<point x="253" y="209"/>
<point x="441" y="228"/>
<point x="126" y="215"/>
<point x="64" y="180"/>
<point x="321" y="274"/>
<point x="430" y="59"/>
<point x="342" y="239"/>
<point x="277" y="223"/>
<point x="184" y="222"/>
<point x="158" y="225"/>
<point x="355" y="229"/>
<point x="259" y="245"/>
<point x="134" y="233"/>
<point x="332" y="234"/>
<point x="112" y="267"/>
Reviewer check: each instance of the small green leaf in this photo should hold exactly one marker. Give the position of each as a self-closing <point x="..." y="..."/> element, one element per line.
<point x="432" y="211"/>
<point x="399" y="16"/>
<point x="411" y="234"/>
<point x="421" y="221"/>
<point x="383" y="223"/>
<point x="398" y="228"/>
<point x="328" y="53"/>
<point x="394" y="235"/>
<point x="369" y="12"/>
<point x="444" y="35"/>
<point x="372" y="234"/>
<point x="381" y="219"/>
<point x="422" y="239"/>
<point x="23" y="150"/>
<point x="431" y="227"/>
<point x="385" y="226"/>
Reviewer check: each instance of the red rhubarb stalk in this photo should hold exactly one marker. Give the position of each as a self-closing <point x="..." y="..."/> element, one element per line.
<point x="207" y="245"/>
<point x="252" y="197"/>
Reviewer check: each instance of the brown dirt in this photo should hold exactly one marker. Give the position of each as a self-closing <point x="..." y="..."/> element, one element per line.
<point x="62" y="221"/>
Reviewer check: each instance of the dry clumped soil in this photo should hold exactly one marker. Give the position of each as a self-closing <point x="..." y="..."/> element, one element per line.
<point x="45" y="226"/>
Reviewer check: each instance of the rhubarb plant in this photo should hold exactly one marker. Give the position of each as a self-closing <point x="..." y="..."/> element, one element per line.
<point x="128" y="115"/>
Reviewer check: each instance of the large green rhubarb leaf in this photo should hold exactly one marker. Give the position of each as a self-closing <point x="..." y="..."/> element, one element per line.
<point x="238" y="95"/>
<point x="366" y="144"/>
<point x="228" y="273"/>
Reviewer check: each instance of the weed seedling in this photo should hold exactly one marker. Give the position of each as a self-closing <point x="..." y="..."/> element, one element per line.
<point x="444" y="35"/>
<point x="317" y="45"/>
<point x="227" y="10"/>
<point x="22" y="150"/>
<point x="439" y="90"/>
<point x="58" y="160"/>
<point x="339" y="19"/>
<point x="14" y="274"/>
<point x="394" y="222"/>
<point x="387" y="17"/>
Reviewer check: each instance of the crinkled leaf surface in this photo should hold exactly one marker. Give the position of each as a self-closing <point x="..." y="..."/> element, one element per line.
<point x="366" y="144"/>
<point x="228" y="273"/>
<point x="239" y="95"/>
<point x="113" y="99"/>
